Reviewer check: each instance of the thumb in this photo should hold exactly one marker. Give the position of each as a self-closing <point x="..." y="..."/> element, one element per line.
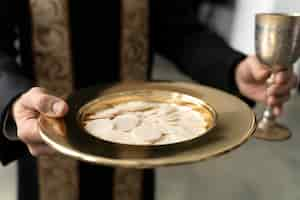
<point x="259" y="71"/>
<point x="44" y="103"/>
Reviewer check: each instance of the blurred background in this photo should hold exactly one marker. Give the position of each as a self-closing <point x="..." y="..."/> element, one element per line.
<point x="258" y="170"/>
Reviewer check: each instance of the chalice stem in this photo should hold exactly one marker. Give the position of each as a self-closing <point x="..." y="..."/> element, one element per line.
<point x="267" y="127"/>
<point x="268" y="117"/>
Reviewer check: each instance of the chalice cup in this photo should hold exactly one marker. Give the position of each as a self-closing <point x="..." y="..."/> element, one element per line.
<point x="277" y="45"/>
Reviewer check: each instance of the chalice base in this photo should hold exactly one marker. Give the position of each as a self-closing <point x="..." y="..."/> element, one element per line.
<point x="272" y="131"/>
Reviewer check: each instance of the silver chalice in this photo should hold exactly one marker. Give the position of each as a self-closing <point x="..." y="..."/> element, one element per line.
<point x="277" y="44"/>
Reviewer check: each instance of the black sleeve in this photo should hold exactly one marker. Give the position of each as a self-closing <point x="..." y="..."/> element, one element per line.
<point x="13" y="81"/>
<point x="12" y="84"/>
<point x="196" y="50"/>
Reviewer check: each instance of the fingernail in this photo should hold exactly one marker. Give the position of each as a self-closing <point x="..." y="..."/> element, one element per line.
<point x="58" y="107"/>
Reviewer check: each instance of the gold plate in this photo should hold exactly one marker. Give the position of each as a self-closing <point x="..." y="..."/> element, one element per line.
<point x="149" y="95"/>
<point x="234" y="125"/>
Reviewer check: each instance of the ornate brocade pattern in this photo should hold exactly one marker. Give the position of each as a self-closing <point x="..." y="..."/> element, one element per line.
<point x="128" y="184"/>
<point x="58" y="177"/>
<point x="51" y="45"/>
<point x="134" y="40"/>
<point x="134" y="63"/>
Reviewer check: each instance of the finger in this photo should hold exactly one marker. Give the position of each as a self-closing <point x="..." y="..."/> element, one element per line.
<point x="277" y="101"/>
<point x="259" y="71"/>
<point x="28" y="132"/>
<point x="44" y="103"/>
<point x="282" y="88"/>
<point x="40" y="150"/>
<point x="283" y="76"/>
<point x="278" y="110"/>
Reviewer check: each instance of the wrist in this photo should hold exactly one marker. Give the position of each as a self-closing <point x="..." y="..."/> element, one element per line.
<point x="239" y="72"/>
<point x="13" y="109"/>
<point x="9" y="122"/>
<point x="9" y="125"/>
<point x="237" y="76"/>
